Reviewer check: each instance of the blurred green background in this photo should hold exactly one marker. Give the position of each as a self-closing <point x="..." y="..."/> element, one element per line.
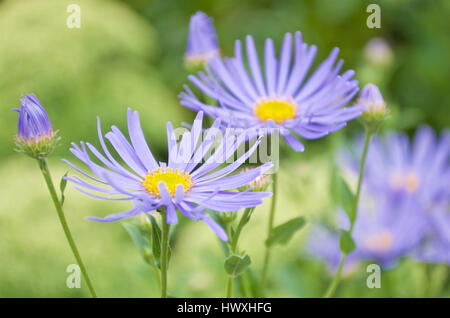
<point x="130" y="54"/>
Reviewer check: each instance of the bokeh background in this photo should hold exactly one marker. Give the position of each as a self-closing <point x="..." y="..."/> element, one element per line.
<point x="130" y="54"/>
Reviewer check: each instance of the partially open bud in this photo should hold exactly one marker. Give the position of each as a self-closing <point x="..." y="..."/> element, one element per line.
<point x="259" y="184"/>
<point x="202" y="41"/>
<point x="35" y="135"/>
<point x="375" y="107"/>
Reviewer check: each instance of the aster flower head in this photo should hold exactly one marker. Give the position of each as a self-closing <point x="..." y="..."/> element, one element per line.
<point x="35" y="135"/>
<point x="202" y="40"/>
<point x="399" y="167"/>
<point x="384" y="231"/>
<point x="405" y="208"/>
<point x="188" y="182"/>
<point x="281" y="96"/>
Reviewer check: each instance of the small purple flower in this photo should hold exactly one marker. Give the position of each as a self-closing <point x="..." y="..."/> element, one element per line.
<point x="202" y="39"/>
<point x="278" y="97"/>
<point x="189" y="182"/>
<point x="35" y="135"/>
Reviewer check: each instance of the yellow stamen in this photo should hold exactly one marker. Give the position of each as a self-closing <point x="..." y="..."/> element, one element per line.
<point x="380" y="242"/>
<point x="412" y="182"/>
<point x="409" y="182"/>
<point x="279" y="110"/>
<point x="171" y="179"/>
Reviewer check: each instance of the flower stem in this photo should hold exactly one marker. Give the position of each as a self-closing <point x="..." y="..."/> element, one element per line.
<point x="234" y="242"/>
<point x="337" y="277"/>
<point x="230" y="286"/>
<point x="56" y="201"/>
<point x="242" y="222"/>
<point x="164" y="252"/>
<point x="269" y="233"/>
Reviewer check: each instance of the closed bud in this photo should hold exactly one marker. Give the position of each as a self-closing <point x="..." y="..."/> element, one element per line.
<point x="35" y="135"/>
<point x="202" y="41"/>
<point x="375" y="111"/>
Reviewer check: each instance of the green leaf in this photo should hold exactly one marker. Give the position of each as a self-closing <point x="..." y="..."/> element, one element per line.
<point x="62" y="187"/>
<point x="284" y="232"/>
<point x="235" y="265"/>
<point x="139" y="238"/>
<point x="346" y="242"/>
<point x="156" y="242"/>
<point x="343" y="196"/>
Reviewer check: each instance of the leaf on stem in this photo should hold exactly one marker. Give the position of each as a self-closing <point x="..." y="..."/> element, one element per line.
<point x="62" y="187"/>
<point x="343" y="196"/>
<point x="156" y="242"/>
<point x="235" y="265"/>
<point x="346" y="242"/>
<point x="284" y="232"/>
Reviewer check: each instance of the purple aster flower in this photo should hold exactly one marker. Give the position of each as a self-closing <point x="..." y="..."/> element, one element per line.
<point x="280" y="96"/>
<point x="406" y="197"/>
<point x="189" y="182"/>
<point x="384" y="231"/>
<point x="35" y="135"/>
<point x="419" y="169"/>
<point x="202" y="39"/>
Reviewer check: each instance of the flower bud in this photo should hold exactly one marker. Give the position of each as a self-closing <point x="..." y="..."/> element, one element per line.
<point x="202" y="41"/>
<point x="378" y="52"/>
<point x="35" y="135"/>
<point x="375" y="107"/>
<point x="259" y="184"/>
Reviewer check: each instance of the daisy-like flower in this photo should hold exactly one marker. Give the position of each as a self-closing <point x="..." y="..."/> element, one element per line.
<point x="383" y="232"/>
<point x="202" y="39"/>
<point x="35" y="135"/>
<point x="409" y="184"/>
<point x="189" y="182"/>
<point x="400" y="168"/>
<point x="280" y="97"/>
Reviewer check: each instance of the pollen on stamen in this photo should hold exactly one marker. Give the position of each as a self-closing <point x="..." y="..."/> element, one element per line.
<point x="277" y="109"/>
<point x="171" y="179"/>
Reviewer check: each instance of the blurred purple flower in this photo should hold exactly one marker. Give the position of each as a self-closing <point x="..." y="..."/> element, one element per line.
<point x="406" y="198"/>
<point x="202" y="39"/>
<point x="281" y="98"/>
<point x="185" y="182"/>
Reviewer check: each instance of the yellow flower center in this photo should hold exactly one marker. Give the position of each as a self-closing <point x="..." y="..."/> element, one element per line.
<point x="380" y="242"/>
<point x="171" y="179"/>
<point x="279" y="110"/>
<point x="409" y="182"/>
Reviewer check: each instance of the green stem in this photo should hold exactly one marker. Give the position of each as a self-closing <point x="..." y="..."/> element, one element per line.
<point x="230" y="286"/>
<point x="335" y="282"/>
<point x="234" y="241"/>
<point x="337" y="277"/>
<point x="164" y="252"/>
<point x="242" y="222"/>
<point x="56" y="201"/>
<point x="269" y="233"/>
